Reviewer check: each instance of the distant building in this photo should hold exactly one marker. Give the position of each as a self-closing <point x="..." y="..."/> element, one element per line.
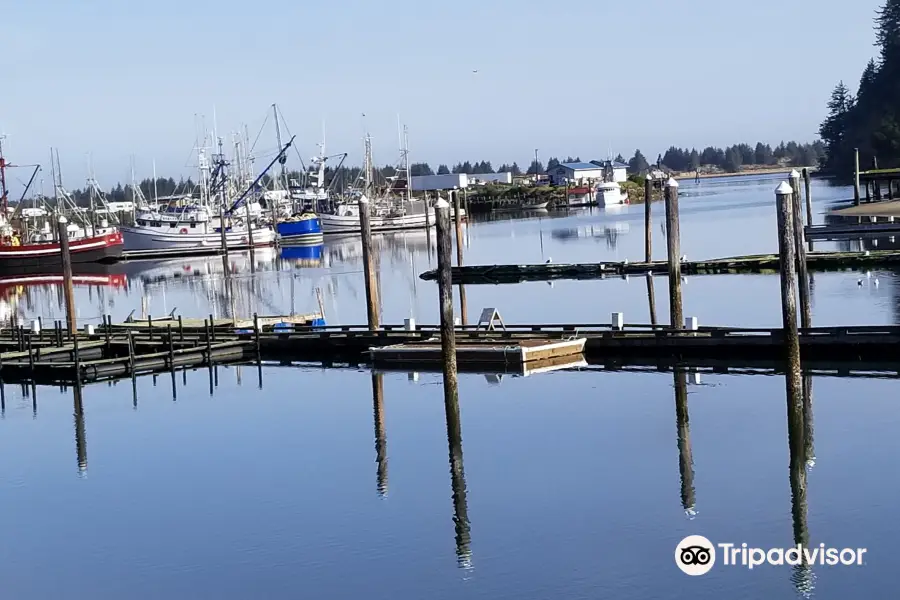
<point x="427" y="183"/>
<point x="619" y="170"/>
<point x="505" y="178"/>
<point x="574" y="172"/>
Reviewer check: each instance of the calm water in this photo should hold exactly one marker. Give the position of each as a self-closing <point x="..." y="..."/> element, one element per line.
<point x="301" y="482"/>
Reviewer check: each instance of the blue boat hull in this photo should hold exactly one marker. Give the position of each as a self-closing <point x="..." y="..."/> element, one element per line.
<point x="305" y="231"/>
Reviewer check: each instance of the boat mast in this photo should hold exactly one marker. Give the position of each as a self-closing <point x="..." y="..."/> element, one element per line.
<point x="4" y="193"/>
<point x="281" y="160"/>
<point x="367" y="167"/>
<point x="406" y="156"/>
<point x="155" y="189"/>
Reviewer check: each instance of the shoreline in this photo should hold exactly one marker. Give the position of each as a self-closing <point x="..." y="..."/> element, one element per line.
<point x="748" y="173"/>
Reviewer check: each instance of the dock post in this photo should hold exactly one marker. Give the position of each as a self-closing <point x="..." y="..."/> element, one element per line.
<point x="77" y="355"/>
<point x="130" y="351"/>
<point x="149" y="328"/>
<point x="40" y="324"/>
<point x="171" y="349"/>
<point x="180" y="329"/>
<point x="57" y="333"/>
<point x="651" y="299"/>
<point x="673" y="243"/>
<point x="30" y="358"/>
<point x="222" y="231"/>
<point x="807" y="184"/>
<point x="250" y="238"/>
<point x="787" y="262"/>
<point x="108" y="322"/>
<point x="66" y="259"/>
<point x="445" y="293"/>
<point x="648" y="234"/>
<point x="256" y="336"/>
<point x="212" y="327"/>
<point x="800" y="248"/>
<point x="856" y="177"/>
<point x="365" y="227"/>
<point x="207" y="328"/>
<point x="459" y="258"/>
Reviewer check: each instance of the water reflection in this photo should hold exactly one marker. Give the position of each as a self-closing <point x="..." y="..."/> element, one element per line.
<point x="685" y="455"/>
<point x="80" y="437"/>
<point x="610" y="234"/>
<point x="802" y="575"/>
<point x="458" y="482"/>
<point x="381" y="458"/>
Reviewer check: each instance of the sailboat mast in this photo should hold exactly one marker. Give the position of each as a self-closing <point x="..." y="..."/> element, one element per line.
<point x="406" y="157"/>
<point x="155" y="189"/>
<point x="282" y="160"/>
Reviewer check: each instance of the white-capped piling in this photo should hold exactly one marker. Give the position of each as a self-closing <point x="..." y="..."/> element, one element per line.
<point x="673" y="244"/>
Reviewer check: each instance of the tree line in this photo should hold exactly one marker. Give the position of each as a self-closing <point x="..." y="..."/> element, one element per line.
<point x="868" y="120"/>
<point x="733" y="158"/>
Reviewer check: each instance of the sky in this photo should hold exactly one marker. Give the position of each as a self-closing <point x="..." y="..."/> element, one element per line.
<point x="107" y="80"/>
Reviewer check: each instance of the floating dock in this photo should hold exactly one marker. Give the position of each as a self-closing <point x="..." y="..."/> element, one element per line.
<point x="122" y="351"/>
<point x="516" y="353"/>
<point x="759" y="263"/>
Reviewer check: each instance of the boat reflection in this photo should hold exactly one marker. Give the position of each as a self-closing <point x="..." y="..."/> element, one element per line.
<point x="609" y="233"/>
<point x="302" y="256"/>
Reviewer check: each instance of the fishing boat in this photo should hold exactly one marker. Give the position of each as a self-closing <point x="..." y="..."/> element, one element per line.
<point x="384" y="217"/>
<point x="191" y="227"/>
<point x="610" y="193"/>
<point x="23" y="250"/>
<point x="300" y="230"/>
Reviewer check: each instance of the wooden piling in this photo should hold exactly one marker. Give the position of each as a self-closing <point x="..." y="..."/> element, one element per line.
<point x="856" y="196"/>
<point x="250" y="238"/>
<point x="673" y="244"/>
<point x="212" y="327"/>
<point x="107" y="325"/>
<point x="30" y="356"/>
<point x="368" y="264"/>
<point x="648" y="234"/>
<point x="445" y="294"/>
<point x="180" y="329"/>
<point x="66" y="259"/>
<point x="207" y="328"/>
<point x="463" y="309"/>
<point x="256" y="336"/>
<point x="41" y="327"/>
<point x="171" y="348"/>
<point x="807" y="184"/>
<point x="130" y="351"/>
<point x="787" y="259"/>
<point x="77" y="356"/>
<point x="651" y="299"/>
<point x="57" y="333"/>
<point x="800" y="249"/>
<point x="149" y="328"/>
<point x="222" y="233"/>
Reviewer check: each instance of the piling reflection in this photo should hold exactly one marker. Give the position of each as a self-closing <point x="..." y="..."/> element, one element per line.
<point x="80" y="437"/>
<point x="651" y="299"/>
<point x="802" y="575"/>
<point x="380" y="436"/>
<point x="810" y="451"/>
<point x="458" y="484"/>
<point x="685" y="454"/>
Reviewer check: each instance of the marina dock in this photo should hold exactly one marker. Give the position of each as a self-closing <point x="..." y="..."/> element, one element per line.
<point x="128" y="350"/>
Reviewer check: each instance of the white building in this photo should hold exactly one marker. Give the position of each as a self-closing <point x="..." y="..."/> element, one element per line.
<point x="427" y="183"/>
<point x="581" y="171"/>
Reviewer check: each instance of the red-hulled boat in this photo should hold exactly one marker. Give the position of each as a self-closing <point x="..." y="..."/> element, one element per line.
<point x="41" y="252"/>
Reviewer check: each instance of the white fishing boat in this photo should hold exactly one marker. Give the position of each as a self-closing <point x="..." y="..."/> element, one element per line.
<point x="191" y="227"/>
<point x="610" y="193"/>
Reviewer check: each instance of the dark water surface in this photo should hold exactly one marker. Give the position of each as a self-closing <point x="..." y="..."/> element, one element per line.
<point x="300" y="482"/>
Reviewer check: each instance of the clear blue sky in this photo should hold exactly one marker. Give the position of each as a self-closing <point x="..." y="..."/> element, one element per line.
<point x="116" y="77"/>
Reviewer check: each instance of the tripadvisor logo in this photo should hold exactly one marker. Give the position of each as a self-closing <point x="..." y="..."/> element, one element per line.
<point x="696" y="555"/>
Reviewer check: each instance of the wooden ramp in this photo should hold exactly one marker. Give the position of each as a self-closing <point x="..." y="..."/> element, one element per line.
<point x="516" y="353"/>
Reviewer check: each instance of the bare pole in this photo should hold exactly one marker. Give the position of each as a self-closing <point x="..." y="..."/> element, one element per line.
<point x="673" y="243"/>
<point x="66" y="259"/>
<point x="787" y="260"/>
<point x="365" y="227"/>
<point x="800" y="249"/>
<point x="648" y="235"/>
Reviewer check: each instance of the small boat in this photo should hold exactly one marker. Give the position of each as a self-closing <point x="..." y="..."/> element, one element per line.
<point x="409" y="215"/>
<point x="303" y="229"/>
<point x="610" y="193"/>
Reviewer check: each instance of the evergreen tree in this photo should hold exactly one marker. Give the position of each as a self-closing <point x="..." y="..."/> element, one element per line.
<point x="514" y="169"/>
<point x="419" y="169"/>
<point x="763" y="155"/>
<point x="443" y="170"/>
<point x="553" y="162"/>
<point x="732" y="160"/>
<point x="536" y="168"/>
<point x="695" y="160"/>
<point x="638" y="164"/>
<point x="620" y="159"/>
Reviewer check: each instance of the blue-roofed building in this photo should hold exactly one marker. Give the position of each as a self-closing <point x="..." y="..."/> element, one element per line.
<point x="583" y="172"/>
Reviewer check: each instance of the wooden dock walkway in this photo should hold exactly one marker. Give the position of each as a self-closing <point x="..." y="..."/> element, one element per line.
<point x="121" y="351"/>
<point x="759" y="263"/>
